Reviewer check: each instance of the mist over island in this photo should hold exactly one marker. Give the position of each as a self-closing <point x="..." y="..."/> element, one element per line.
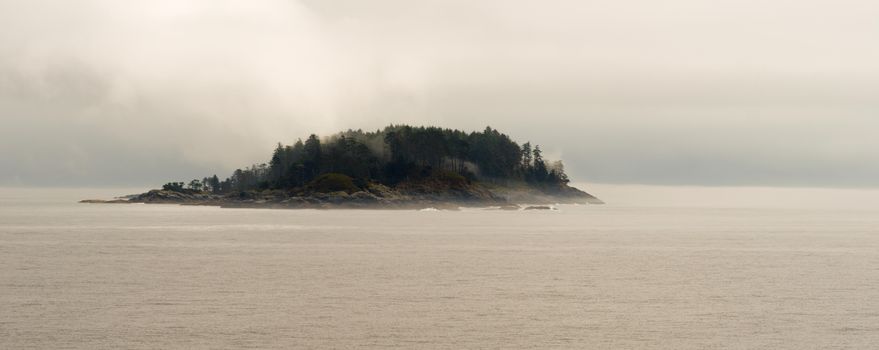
<point x="399" y="166"/>
<point x="432" y="174"/>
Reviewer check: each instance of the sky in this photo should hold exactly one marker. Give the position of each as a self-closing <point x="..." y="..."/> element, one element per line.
<point x="677" y="92"/>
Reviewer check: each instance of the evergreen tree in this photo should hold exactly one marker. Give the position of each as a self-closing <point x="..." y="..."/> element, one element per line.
<point x="391" y="155"/>
<point x="215" y="184"/>
<point x="312" y="157"/>
<point x="276" y="165"/>
<point x="526" y="156"/>
<point x="539" y="173"/>
<point x="195" y="185"/>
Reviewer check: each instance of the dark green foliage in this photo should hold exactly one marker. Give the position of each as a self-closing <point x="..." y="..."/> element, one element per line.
<point x="214" y="184"/>
<point x="333" y="182"/>
<point x="557" y="173"/>
<point x="173" y="186"/>
<point x="395" y="154"/>
<point x="311" y="158"/>
<point x="451" y="178"/>
<point x="349" y="157"/>
<point x="195" y="185"/>
<point x="526" y="155"/>
<point x="538" y="171"/>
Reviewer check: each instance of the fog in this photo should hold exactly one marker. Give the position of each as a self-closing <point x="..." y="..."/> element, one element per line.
<point x="681" y="92"/>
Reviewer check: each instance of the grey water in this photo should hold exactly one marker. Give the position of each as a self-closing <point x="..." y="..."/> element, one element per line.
<point x="660" y="275"/>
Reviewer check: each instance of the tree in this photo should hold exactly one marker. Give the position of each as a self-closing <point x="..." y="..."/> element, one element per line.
<point x="195" y="185"/>
<point x="391" y="155"/>
<point x="214" y="184"/>
<point x="173" y="186"/>
<point x="312" y="157"/>
<point x="276" y="165"/>
<point x="557" y="173"/>
<point x="526" y="156"/>
<point x="539" y="173"/>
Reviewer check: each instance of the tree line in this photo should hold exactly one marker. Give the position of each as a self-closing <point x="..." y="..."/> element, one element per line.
<point x="392" y="155"/>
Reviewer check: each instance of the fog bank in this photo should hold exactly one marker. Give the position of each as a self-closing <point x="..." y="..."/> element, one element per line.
<point x="684" y="92"/>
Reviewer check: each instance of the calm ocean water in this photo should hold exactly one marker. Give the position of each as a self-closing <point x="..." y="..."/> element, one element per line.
<point x="785" y="269"/>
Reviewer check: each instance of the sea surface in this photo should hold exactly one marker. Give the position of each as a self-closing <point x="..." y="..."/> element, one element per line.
<point x="765" y="269"/>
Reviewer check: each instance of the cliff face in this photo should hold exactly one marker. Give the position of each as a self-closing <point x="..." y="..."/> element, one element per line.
<point x="409" y="195"/>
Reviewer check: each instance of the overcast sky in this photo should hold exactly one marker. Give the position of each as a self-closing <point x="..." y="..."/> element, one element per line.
<point x="695" y="92"/>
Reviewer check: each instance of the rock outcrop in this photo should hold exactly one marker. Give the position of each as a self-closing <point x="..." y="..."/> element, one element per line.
<point x="413" y="195"/>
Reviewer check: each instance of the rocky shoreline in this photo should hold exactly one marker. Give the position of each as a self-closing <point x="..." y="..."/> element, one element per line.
<point x="373" y="196"/>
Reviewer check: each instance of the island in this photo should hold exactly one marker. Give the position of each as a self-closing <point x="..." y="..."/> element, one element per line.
<point x="398" y="167"/>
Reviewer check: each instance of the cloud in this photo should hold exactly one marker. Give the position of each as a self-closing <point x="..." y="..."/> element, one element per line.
<point x="679" y="92"/>
<point x="202" y="84"/>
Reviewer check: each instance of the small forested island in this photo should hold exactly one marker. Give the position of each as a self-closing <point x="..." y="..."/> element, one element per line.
<point x="398" y="167"/>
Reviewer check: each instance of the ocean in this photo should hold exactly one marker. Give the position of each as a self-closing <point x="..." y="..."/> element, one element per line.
<point x="655" y="268"/>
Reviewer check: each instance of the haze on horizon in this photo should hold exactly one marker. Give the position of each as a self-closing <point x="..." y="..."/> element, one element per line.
<point x="683" y="92"/>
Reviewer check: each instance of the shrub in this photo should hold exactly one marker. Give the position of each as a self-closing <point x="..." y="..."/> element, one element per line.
<point x="333" y="182"/>
<point x="448" y="177"/>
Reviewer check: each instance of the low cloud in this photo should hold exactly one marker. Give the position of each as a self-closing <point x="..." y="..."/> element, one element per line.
<point x="683" y="92"/>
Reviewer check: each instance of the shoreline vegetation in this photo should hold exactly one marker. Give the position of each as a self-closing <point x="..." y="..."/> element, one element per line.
<point x="398" y="167"/>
